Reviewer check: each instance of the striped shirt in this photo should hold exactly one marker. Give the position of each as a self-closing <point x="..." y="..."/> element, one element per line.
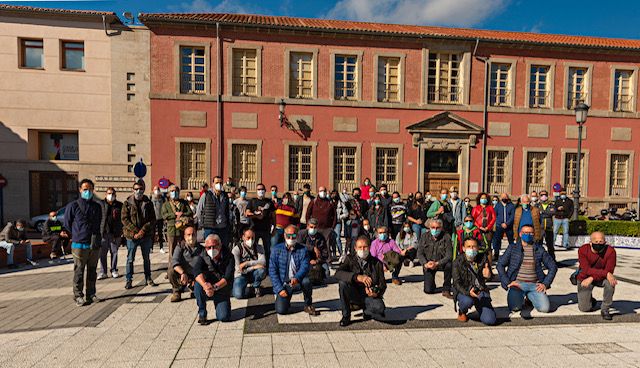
<point x="285" y="216"/>
<point x="527" y="272"/>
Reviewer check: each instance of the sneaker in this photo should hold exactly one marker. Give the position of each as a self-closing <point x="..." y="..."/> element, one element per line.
<point x="102" y="276"/>
<point x="93" y="299"/>
<point x="258" y="292"/>
<point x="311" y="310"/>
<point x="447" y="294"/>
<point x="366" y="317"/>
<point x="396" y="282"/>
<point x="162" y="251"/>
<point x="128" y="285"/>
<point x="53" y="256"/>
<point x="462" y="317"/>
<point x="606" y="315"/>
<point x="32" y="262"/>
<point x="115" y="274"/>
<point x="202" y="320"/>
<point x="80" y="301"/>
<point x="176" y="297"/>
<point x="150" y="282"/>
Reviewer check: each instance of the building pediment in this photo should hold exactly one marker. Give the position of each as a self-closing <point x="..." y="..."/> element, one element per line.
<point x="446" y="122"/>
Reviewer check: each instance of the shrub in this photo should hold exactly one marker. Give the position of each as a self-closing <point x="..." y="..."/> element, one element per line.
<point x="621" y="228"/>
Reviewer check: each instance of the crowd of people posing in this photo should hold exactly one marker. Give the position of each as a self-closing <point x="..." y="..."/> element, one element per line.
<point x="297" y="239"/>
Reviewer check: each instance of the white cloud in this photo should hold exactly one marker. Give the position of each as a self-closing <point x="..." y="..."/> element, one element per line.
<point x="462" y="13"/>
<point x="206" y="6"/>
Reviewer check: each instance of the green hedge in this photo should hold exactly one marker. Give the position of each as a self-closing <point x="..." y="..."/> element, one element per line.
<point x="622" y="228"/>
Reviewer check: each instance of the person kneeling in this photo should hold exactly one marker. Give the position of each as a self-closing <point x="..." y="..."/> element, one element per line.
<point x="471" y="270"/>
<point x="288" y="270"/>
<point x="597" y="264"/>
<point x="520" y="271"/>
<point x="249" y="265"/>
<point x="361" y="283"/>
<point x="214" y="277"/>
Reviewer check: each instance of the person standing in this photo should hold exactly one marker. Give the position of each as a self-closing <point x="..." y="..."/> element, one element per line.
<point x="302" y="204"/>
<point x="417" y="215"/>
<point x="527" y="215"/>
<point x="111" y="233"/>
<point x="177" y="215"/>
<point x="546" y="217"/>
<point x="457" y="208"/>
<point x="441" y="210"/>
<point x="262" y="212"/>
<point x="366" y="188"/>
<point x="398" y="211"/>
<point x="504" y="214"/>
<point x="342" y="213"/>
<point x="377" y="215"/>
<point x="83" y="217"/>
<point x="324" y="211"/>
<point x="564" y="209"/>
<point x="55" y="234"/>
<point x="138" y="220"/>
<point x="359" y="205"/>
<point x="214" y="212"/>
<point x="158" y="199"/>
<point x="285" y="215"/>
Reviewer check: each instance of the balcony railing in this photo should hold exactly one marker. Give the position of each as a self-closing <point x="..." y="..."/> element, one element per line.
<point x="447" y="95"/>
<point x="623" y="104"/>
<point x="498" y="187"/>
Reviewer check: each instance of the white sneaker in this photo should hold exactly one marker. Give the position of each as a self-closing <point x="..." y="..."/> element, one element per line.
<point x="32" y="262"/>
<point x="102" y="276"/>
<point x="115" y="274"/>
<point x="162" y="251"/>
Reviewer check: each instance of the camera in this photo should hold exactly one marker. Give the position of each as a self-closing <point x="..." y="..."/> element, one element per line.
<point x="476" y="290"/>
<point x="375" y="289"/>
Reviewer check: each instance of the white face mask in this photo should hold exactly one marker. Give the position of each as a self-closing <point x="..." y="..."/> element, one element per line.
<point x="189" y="198"/>
<point x="261" y="193"/>
<point x="290" y="242"/>
<point x="454" y="195"/>
<point x="217" y="187"/>
<point x="213" y="253"/>
<point x="363" y="253"/>
<point x="367" y="227"/>
<point x="110" y="197"/>
<point x="322" y="194"/>
<point x="249" y="242"/>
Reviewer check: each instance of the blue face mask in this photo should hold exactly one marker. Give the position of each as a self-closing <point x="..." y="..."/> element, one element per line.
<point x="86" y="194"/>
<point x="525" y="205"/>
<point x="243" y="194"/>
<point x="443" y="197"/>
<point x="435" y="232"/>
<point x="483" y="201"/>
<point x="382" y="237"/>
<point x="563" y="196"/>
<point x="468" y="224"/>
<point x="376" y="201"/>
<point x="471" y="253"/>
<point x="527" y="238"/>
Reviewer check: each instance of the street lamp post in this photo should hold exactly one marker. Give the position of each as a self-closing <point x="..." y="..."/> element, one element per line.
<point x="581" y="117"/>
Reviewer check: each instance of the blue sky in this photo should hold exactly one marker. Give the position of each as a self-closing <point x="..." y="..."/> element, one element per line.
<point x="587" y="17"/>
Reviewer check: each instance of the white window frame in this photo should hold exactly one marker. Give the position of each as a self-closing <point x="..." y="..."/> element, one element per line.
<point x="584" y="172"/>
<point x="633" y="86"/>
<point x="358" y="71"/>
<point x="232" y="49"/>
<point x="178" y="67"/>
<point x="287" y="70"/>
<point x="401" y="73"/>
<point x="230" y="161"/>
<point x="569" y="81"/>
<point x="178" y="159"/>
<point x="550" y="84"/>
<point x="630" y="174"/>
<point x="506" y="187"/>
<point x="548" y="164"/>
<point x="398" y="184"/>
<point x="314" y="167"/>
<point x="358" y="161"/>
<point x="432" y="89"/>
<point x="510" y="93"/>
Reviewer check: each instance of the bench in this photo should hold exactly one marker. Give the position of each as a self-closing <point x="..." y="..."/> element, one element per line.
<point x="40" y="250"/>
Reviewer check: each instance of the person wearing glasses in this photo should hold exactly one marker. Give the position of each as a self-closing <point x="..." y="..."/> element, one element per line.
<point x="289" y="272"/>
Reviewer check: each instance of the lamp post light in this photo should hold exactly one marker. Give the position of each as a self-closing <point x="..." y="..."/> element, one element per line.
<point x="581" y="117"/>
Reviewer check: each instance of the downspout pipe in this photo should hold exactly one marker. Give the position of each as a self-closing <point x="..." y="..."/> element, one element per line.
<point x="485" y="116"/>
<point x="219" y="119"/>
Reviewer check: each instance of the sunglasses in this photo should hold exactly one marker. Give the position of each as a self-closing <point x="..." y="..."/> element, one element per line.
<point x="291" y="236"/>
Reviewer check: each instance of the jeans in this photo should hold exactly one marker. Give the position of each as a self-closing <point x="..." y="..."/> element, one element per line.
<point x="351" y="293"/>
<point x="10" y="247"/>
<point x="278" y="236"/>
<point x="338" y="238"/>
<point x="585" y="295"/>
<point x="430" y="279"/>
<point x="110" y="244"/>
<point x="145" y="244"/>
<point x="417" y="229"/>
<point x="222" y="233"/>
<point x="482" y="304"/>
<point x="565" y="231"/>
<point x="221" y="302"/>
<point x="160" y="232"/>
<point x="266" y="244"/>
<point x="240" y="283"/>
<point x="283" y="304"/>
<point x="497" y="237"/>
<point x="85" y="259"/>
<point x="515" y="297"/>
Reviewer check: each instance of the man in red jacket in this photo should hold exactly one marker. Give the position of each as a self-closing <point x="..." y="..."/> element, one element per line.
<point x="322" y="209"/>
<point x="597" y="264"/>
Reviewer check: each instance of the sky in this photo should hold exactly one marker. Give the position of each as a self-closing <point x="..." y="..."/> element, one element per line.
<point x="619" y="19"/>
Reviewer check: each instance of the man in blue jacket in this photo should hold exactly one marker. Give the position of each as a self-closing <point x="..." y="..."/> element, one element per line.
<point x="520" y="271"/>
<point x="288" y="270"/>
<point x="83" y="218"/>
<point x="505" y="213"/>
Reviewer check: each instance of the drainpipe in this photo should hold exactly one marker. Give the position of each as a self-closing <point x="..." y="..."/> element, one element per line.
<point x="219" y="121"/>
<point x="485" y="116"/>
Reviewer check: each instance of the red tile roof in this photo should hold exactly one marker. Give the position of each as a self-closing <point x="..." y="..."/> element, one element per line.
<point x="390" y="29"/>
<point x="4" y="9"/>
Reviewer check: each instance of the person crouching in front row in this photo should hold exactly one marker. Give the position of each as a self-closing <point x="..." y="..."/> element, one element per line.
<point x="471" y="270"/>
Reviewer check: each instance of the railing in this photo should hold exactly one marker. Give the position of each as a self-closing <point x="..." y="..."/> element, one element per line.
<point x="623" y="104"/>
<point x="534" y="99"/>
<point x="572" y="102"/>
<point x="498" y="188"/>
<point x="619" y="191"/>
<point x="500" y="97"/>
<point x="448" y="95"/>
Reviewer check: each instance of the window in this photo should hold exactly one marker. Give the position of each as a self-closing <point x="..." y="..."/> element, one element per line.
<point x="245" y="165"/>
<point x="301" y="77"/>
<point x="539" y="86"/>
<point x="245" y="73"/>
<point x="344" y="168"/>
<point x="300" y="166"/>
<point x="31" y="54"/>
<point x="387" y="167"/>
<point x="536" y="171"/>
<point x="346" y="77"/>
<point x="72" y="55"/>
<point x="131" y="156"/>
<point x="622" y="95"/>
<point x="193" y="165"/>
<point x="498" y="176"/>
<point x="500" y="92"/>
<point x="577" y="87"/>
<point x="58" y="146"/>
<point x="444" y="78"/>
<point x="619" y="175"/>
<point x="192" y="70"/>
<point x="389" y="79"/>
<point x="570" y="163"/>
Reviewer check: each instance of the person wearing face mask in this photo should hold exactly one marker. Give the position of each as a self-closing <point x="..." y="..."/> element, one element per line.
<point x="261" y="211"/>
<point x="467" y="206"/>
<point x="357" y="204"/>
<point x="285" y="215"/>
<point x="596" y="269"/>
<point x="407" y="240"/>
<point x="180" y="271"/>
<point x="563" y="210"/>
<point x="368" y="229"/>
<point x="441" y="209"/>
<point x="288" y="271"/>
<point x="361" y="283"/>
<point x="385" y="197"/>
<point x="377" y="215"/>
<point x="494" y="201"/>
<point x="382" y="245"/>
<point x="521" y="273"/>
<point x="83" y="217"/>
<point x="324" y="210"/>
<point x="274" y="195"/>
<point x="177" y="214"/>
<point x="398" y="211"/>
<point x="469" y="230"/>
<point x="545" y="206"/>
<point x="158" y="199"/>
<point x="193" y="205"/>
<point x="417" y="215"/>
<point x="367" y="188"/>
<point x="250" y="266"/>
<point x="484" y="217"/>
<point x="214" y="279"/>
<point x="318" y="251"/>
<point x="341" y="204"/>
<point x="534" y="198"/>
<point x="56" y="235"/>
<point x="13" y="236"/>
<point x="111" y="233"/>
<point x="435" y="253"/>
<point x="138" y="220"/>
<point x="214" y="212"/>
<point x="241" y="204"/>
<point x="457" y="208"/>
<point x="229" y="185"/>
<point x="471" y="271"/>
<point x="353" y="230"/>
<point x="504" y="216"/>
<point x="302" y="204"/>
<point x="526" y="214"/>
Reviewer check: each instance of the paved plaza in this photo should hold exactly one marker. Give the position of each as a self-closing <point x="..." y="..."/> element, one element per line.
<point x="42" y="327"/>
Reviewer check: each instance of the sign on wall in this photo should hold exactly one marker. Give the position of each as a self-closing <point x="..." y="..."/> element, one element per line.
<point x="59" y="146"/>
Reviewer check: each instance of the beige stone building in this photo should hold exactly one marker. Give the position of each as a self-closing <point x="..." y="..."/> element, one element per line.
<point x="75" y="87"/>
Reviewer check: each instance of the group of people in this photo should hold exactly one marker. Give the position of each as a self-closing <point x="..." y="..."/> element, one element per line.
<point x="296" y="239"/>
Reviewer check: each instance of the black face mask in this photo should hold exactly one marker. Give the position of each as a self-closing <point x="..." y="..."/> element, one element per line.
<point x="505" y="201"/>
<point x="356" y="196"/>
<point x="600" y="248"/>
